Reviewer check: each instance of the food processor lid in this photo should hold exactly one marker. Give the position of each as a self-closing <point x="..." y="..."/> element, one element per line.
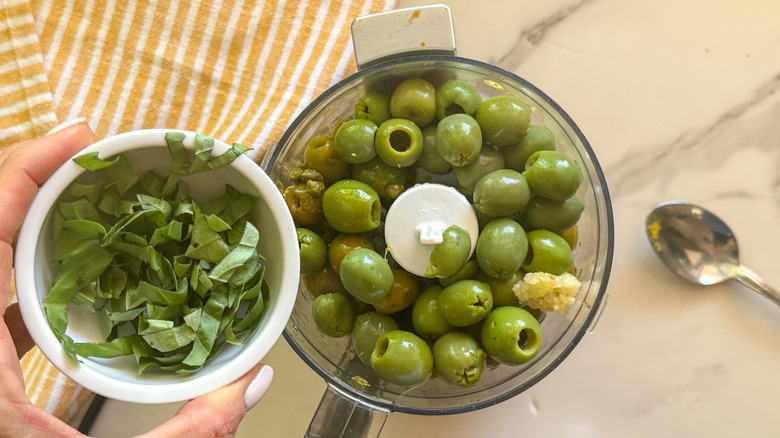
<point x="417" y="219"/>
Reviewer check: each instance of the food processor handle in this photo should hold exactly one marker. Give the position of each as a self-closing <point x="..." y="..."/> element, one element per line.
<point x="423" y="30"/>
<point x="338" y="416"/>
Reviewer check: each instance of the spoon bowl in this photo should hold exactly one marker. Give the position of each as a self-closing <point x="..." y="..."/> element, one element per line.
<point x="698" y="246"/>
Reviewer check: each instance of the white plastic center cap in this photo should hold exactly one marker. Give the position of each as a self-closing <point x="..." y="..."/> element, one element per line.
<point x="416" y="220"/>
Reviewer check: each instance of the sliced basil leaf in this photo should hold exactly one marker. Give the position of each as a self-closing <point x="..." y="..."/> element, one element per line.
<point x="171" y="281"/>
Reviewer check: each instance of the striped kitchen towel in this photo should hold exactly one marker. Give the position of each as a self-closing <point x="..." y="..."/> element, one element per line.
<point x="236" y="70"/>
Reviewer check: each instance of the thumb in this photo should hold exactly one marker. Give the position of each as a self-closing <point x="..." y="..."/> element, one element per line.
<point x="219" y="412"/>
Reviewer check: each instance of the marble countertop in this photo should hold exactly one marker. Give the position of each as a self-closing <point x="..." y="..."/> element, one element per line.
<point x="679" y="100"/>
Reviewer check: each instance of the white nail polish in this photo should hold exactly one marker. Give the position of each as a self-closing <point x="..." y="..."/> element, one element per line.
<point x="256" y="390"/>
<point x="64" y="125"/>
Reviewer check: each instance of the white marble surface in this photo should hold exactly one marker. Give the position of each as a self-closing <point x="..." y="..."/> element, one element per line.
<point x="680" y="100"/>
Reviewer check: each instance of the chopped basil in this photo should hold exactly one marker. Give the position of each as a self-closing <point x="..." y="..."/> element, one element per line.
<point x="171" y="281"/>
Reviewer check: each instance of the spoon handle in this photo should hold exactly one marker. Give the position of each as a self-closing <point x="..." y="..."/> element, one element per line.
<point x="753" y="281"/>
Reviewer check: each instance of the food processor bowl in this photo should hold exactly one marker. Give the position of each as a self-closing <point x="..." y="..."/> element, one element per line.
<point x="357" y="401"/>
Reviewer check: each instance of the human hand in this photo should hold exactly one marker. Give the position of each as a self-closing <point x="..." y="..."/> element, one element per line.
<point x="24" y="167"/>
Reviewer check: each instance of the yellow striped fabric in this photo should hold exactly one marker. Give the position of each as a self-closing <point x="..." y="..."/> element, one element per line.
<point x="237" y="70"/>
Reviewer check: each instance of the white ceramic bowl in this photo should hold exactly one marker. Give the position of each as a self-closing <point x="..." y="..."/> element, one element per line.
<point x="117" y="378"/>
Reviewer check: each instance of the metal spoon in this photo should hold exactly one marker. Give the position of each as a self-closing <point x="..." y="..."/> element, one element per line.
<point x="700" y="247"/>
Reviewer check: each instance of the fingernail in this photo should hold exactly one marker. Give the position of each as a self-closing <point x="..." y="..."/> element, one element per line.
<point x="256" y="390"/>
<point x="64" y="125"/>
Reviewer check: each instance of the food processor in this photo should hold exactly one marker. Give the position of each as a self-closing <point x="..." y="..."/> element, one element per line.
<point x="419" y="42"/>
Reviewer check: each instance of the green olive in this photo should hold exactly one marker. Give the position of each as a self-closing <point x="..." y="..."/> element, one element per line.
<point x="504" y="120"/>
<point x="511" y="335"/>
<point x="458" y="359"/>
<point x="354" y="141"/>
<point x="456" y="97"/>
<point x="374" y="107"/>
<point x="570" y="235"/>
<point x="451" y="254"/>
<point x="553" y="175"/>
<point x="467" y="272"/>
<point x="351" y="206"/>
<point x="488" y="160"/>
<point x="325" y="281"/>
<point x="333" y="314"/>
<point x="538" y="138"/>
<point x="388" y="181"/>
<point x="402" y="293"/>
<point x="342" y="244"/>
<point x="458" y="139"/>
<point x="501" y="248"/>
<point x="402" y="358"/>
<point x="304" y="200"/>
<point x="366" y="275"/>
<point x="430" y="160"/>
<point x="320" y="155"/>
<point x="414" y="99"/>
<point x="465" y="302"/>
<point x="428" y="322"/>
<point x="367" y="329"/>
<point x="549" y="253"/>
<point x="501" y="193"/>
<point x="313" y="251"/>
<point x="398" y="142"/>
<point x="503" y="295"/>
<point x="556" y="216"/>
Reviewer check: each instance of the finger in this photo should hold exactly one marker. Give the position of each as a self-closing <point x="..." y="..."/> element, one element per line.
<point x="219" y="412"/>
<point x="23" y="169"/>
<point x="19" y="333"/>
<point x="11" y="378"/>
<point x="28" y="165"/>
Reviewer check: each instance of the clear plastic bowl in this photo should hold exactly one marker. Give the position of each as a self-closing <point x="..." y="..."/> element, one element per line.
<point x="350" y="382"/>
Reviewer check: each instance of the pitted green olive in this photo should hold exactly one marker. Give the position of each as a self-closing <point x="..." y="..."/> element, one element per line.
<point x="430" y="160"/>
<point x="325" y="281"/>
<point x="553" y="175"/>
<point x="556" y="216"/>
<point x="428" y="322"/>
<point x="458" y="139"/>
<point x="367" y="329"/>
<point x="402" y="358"/>
<point x="351" y="206"/>
<point x="333" y="314"/>
<point x="354" y="141"/>
<point x="511" y="335"/>
<point x="467" y="272"/>
<point x="501" y="248"/>
<point x="320" y="155"/>
<point x="402" y="293"/>
<point x="388" y="181"/>
<point x="504" y="120"/>
<point x="488" y="160"/>
<point x="501" y="193"/>
<point x="366" y="275"/>
<point x="538" y="138"/>
<point x="398" y="142"/>
<point x="342" y="244"/>
<point x="465" y="302"/>
<point x="455" y="97"/>
<point x="304" y="201"/>
<point x="414" y="99"/>
<point x="549" y="253"/>
<point x="374" y="107"/>
<point x="313" y="251"/>
<point x="503" y="295"/>
<point x="459" y="359"/>
<point x="451" y="254"/>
